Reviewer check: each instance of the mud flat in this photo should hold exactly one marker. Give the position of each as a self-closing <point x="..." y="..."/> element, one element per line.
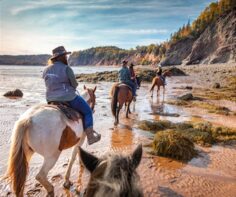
<point x="213" y="173"/>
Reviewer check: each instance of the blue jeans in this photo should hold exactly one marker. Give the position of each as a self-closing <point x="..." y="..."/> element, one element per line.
<point x="81" y="106"/>
<point x="132" y="85"/>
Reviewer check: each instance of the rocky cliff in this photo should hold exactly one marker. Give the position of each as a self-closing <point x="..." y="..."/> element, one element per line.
<point x="111" y="55"/>
<point x="216" y="44"/>
<point x="24" y="59"/>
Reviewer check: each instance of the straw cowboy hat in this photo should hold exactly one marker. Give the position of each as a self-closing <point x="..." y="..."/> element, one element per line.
<point x="58" y="52"/>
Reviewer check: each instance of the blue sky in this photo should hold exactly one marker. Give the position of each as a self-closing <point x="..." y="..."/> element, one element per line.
<point x="38" y="26"/>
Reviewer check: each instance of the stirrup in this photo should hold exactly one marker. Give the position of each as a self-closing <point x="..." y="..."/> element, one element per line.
<point x="96" y="133"/>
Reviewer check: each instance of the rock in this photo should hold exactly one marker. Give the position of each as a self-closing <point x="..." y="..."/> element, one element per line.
<point x="186" y="97"/>
<point x="216" y="85"/>
<point x="14" y="93"/>
<point x="189" y="87"/>
<point x="176" y="72"/>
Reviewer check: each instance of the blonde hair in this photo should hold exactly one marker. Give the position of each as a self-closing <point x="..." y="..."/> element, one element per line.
<point x="50" y="62"/>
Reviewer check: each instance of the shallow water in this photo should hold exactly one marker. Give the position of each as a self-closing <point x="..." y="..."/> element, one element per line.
<point x="212" y="174"/>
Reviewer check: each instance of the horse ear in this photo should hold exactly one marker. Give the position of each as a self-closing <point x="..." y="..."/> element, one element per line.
<point x="85" y="87"/>
<point x="137" y="156"/>
<point x="94" y="88"/>
<point x="89" y="160"/>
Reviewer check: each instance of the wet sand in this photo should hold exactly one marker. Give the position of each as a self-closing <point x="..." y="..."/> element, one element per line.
<point x="211" y="174"/>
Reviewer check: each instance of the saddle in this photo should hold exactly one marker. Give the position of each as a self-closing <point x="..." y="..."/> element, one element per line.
<point x="123" y="84"/>
<point x="64" y="107"/>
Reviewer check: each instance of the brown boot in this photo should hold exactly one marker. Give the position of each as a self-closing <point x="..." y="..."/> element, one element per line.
<point x="92" y="136"/>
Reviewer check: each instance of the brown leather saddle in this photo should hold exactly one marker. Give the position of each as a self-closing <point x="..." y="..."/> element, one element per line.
<point x="65" y="109"/>
<point x="123" y="84"/>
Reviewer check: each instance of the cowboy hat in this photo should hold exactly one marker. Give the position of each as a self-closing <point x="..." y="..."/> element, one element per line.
<point x="59" y="51"/>
<point x="124" y="61"/>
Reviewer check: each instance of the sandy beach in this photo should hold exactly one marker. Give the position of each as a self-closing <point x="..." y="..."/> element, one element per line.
<point x="213" y="173"/>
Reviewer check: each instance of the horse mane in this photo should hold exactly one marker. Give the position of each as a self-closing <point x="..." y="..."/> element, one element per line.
<point x="112" y="90"/>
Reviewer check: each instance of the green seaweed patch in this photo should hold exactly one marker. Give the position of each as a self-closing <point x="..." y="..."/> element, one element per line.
<point x="210" y="107"/>
<point x="178" y="103"/>
<point x="154" y="126"/>
<point x="174" y="145"/>
<point x="202" y="133"/>
<point x="226" y="92"/>
<point x="223" y="134"/>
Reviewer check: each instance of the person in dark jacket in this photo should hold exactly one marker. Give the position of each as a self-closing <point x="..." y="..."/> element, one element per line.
<point x="125" y="77"/>
<point x="61" y="86"/>
<point x="159" y="74"/>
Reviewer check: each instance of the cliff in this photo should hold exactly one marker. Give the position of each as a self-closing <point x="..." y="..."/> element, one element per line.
<point x="24" y="59"/>
<point x="216" y="44"/>
<point x="111" y="55"/>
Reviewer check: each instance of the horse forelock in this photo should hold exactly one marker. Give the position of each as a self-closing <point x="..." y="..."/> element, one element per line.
<point x="118" y="178"/>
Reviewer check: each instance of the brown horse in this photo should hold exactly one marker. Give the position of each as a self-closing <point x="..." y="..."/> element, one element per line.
<point x="121" y="94"/>
<point x="113" y="175"/>
<point x="157" y="81"/>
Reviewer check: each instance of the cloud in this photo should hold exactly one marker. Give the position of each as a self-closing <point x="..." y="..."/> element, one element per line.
<point x="41" y="25"/>
<point x="162" y="6"/>
<point x="32" y="5"/>
<point x="135" y="31"/>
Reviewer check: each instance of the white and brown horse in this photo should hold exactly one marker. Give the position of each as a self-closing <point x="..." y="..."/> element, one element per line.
<point x="157" y="81"/>
<point x="113" y="175"/>
<point x="46" y="131"/>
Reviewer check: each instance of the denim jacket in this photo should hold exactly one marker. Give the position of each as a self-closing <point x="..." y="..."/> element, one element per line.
<point x="124" y="75"/>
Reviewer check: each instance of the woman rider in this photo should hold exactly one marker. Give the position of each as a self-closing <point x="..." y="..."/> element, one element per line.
<point x="134" y="78"/>
<point x="61" y="86"/>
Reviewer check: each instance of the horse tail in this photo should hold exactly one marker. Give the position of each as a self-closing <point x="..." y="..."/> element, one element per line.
<point x="114" y="100"/>
<point x="153" y="84"/>
<point x="17" y="162"/>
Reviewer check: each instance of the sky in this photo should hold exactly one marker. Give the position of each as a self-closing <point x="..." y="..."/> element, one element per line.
<point x="38" y="26"/>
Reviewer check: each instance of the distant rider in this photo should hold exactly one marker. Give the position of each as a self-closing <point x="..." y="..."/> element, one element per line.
<point x="159" y="74"/>
<point x="125" y="77"/>
<point x="61" y="86"/>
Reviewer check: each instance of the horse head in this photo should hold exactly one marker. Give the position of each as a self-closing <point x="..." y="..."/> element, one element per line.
<point x="167" y="73"/>
<point x="91" y="97"/>
<point x="113" y="174"/>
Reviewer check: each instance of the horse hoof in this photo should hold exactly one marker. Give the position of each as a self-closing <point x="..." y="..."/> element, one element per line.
<point x="50" y="194"/>
<point x="115" y="123"/>
<point x="67" y="184"/>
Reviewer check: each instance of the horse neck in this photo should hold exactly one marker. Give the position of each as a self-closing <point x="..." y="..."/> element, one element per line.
<point x="164" y="74"/>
